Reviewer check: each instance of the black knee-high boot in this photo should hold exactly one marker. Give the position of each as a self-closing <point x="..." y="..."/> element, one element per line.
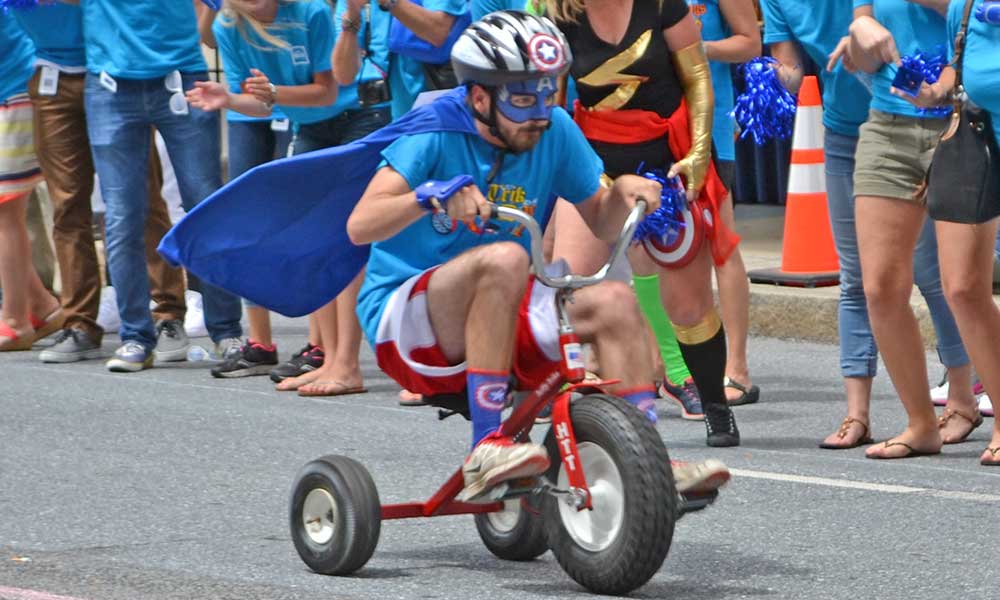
<point x="703" y="347"/>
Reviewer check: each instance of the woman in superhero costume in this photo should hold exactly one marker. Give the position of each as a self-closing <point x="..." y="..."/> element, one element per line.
<point x="645" y="100"/>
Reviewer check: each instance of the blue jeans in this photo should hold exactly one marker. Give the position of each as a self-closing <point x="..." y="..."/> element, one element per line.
<point x="119" y="125"/>
<point x="858" y="352"/>
<point x="251" y="144"/>
<point x="346" y="127"/>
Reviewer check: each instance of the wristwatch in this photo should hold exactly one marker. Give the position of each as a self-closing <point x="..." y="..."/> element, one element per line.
<point x="274" y="94"/>
<point x="387" y="5"/>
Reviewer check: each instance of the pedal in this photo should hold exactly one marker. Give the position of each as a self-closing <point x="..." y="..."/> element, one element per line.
<point x="695" y="502"/>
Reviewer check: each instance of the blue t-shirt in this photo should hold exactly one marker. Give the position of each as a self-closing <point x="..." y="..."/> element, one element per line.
<point x="141" y="39"/>
<point x="307" y="27"/>
<point x="713" y="27"/>
<point x="406" y="77"/>
<point x="845" y="99"/>
<point x="914" y="28"/>
<point x="980" y="60"/>
<point x="481" y="8"/>
<point x="57" y="31"/>
<point x="17" y="59"/>
<point x="375" y="65"/>
<point x="562" y="164"/>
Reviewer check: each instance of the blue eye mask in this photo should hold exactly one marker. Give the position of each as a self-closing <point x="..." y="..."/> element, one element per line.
<point x="540" y="89"/>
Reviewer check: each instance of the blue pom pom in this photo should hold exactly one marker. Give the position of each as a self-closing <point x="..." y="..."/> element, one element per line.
<point x="765" y="110"/>
<point x="989" y="12"/>
<point x="667" y="222"/>
<point x="917" y="68"/>
<point x="22" y="4"/>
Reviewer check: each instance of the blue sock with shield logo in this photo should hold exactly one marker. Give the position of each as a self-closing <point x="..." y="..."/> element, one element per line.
<point x="643" y="398"/>
<point x="487" y="395"/>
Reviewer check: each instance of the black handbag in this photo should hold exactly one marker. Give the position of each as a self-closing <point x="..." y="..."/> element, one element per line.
<point x="963" y="182"/>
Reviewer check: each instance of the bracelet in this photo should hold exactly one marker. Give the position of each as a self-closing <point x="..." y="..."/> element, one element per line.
<point x="350" y="25"/>
<point x="387" y="5"/>
<point x="274" y="94"/>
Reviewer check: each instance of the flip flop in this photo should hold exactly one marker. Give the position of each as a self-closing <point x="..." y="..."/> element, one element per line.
<point x="49" y="325"/>
<point x="12" y="341"/>
<point x="341" y="389"/>
<point x="995" y="457"/>
<point x="951" y="413"/>
<point x="747" y="395"/>
<point x="864" y="439"/>
<point x="911" y="451"/>
<point x="408" y="398"/>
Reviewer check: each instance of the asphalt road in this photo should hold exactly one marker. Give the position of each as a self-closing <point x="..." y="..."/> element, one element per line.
<point x="168" y="485"/>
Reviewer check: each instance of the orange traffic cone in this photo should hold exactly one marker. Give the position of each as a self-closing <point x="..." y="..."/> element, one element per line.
<point x="808" y="255"/>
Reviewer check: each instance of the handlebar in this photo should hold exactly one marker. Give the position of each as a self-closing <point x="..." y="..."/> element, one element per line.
<point x="571" y="281"/>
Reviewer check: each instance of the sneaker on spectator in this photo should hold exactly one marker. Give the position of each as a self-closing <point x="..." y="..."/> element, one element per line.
<point x="496" y="459"/>
<point x="985" y="406"/>
<point x="227" y="348"/>
<point x="130" y="357"/>
<point x="939" y="393"/>
<point x="699" y="477"/>
<point x="171" y="342"/>
<point x="194" y="319"/>
<point x="252" y="359"/>
<point x="71" y="345"/>
<point x="107" y="314"/>
<point x="687" y="396"/>
<point x="307" y="359"/>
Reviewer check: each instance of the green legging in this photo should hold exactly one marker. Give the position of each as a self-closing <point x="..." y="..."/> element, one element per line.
<point x="647" y="291"/>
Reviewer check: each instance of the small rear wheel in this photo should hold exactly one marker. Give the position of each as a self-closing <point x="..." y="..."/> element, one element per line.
<point x="620" y="544"/>
<point x="514" y="533"/>
<point x="335" y="515"/>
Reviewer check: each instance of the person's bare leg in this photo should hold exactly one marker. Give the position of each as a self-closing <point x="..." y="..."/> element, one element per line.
<point x="341" y="372"/>
<point x="575" y="243"/>
<point x="259" y="319"/>
<point x="966" y="255"/>
<point x="887" y="235"/>
<point x="858" y="391"/>
<point x="960" y="400"/>
<point x="15" y="264"/>
<point x="734" y="308"/>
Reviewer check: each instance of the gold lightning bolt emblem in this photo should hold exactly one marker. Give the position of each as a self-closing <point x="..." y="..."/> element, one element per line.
<point x="610" y="73"/>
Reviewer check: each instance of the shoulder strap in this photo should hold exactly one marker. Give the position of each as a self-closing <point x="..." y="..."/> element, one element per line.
<point x="960" y="41"/>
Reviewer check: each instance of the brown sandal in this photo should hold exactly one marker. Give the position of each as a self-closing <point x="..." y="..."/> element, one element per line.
<point x="845" y="427"/>
<point x="994" y="461"/>
<point x="950" y="413"/>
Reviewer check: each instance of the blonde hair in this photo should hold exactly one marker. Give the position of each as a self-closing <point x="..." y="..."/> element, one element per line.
<point x="233" y="14"/>
<point x="564" y="11"/>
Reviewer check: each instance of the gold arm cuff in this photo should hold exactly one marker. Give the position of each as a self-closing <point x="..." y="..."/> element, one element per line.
<point x="700" y="332"/>
<point x="607" y="181"/>
<point x="692" y="67"/>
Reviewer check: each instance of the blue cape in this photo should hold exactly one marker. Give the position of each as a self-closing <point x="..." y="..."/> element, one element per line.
<point x="277" y="234"/>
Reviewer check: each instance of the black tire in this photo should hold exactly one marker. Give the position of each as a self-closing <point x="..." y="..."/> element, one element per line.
<point x="515" y="533"/>
<point x="608" y="428"/>
<point x="346" y="538"/>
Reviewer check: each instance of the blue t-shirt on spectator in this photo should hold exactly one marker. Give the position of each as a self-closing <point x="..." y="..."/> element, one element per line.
<point x="306" y="26"/>
<point x="481" y="8"/>
<point x="713" y="26"/>
<point x="141" y="39"/>
<point x="17" y="59"/>
<point x="406" y="77"/>
<point x="845" y="99"/>
<point x="980" y="60"/>
<point x="375" y="64"/>
<point x="57" y="31"/>
<point x="914" y="28"/>
<point x="562" y="164"/>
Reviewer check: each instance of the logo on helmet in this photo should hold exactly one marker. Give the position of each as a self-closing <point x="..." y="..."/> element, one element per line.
<point x="546" y="52"/>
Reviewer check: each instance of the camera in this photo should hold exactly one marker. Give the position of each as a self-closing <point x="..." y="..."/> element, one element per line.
<point x="372" y="92"/>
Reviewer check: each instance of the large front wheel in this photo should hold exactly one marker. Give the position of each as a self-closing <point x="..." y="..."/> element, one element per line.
<point x="620" y="544"/>
<point x="335" y="515"/>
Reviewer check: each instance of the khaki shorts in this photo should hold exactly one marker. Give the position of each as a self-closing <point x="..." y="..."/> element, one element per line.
<point x="894" y="152"/>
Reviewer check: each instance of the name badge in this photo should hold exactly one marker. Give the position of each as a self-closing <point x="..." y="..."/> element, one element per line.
<point x="279" y="125"/>
<point x="108" y="82"/>
<point x="299" y="55"/>
<point x="48" y="83"/>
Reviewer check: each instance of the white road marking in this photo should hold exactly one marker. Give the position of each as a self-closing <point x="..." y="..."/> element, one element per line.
<point x="7" y="593"/>
<point x="864" y="485"/>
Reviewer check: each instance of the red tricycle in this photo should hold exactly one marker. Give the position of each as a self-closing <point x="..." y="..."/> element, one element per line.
<point x="606" y="507"/>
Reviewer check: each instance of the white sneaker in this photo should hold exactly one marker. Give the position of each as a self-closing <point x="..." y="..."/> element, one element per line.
<point x="985" y="406"/>
<point x="194" y="321"/>
<point x="699" y="477"/>
<point x="227" y="347"/>
<point x="107" y="314"/>
<point x="497" y="459"/>
<point x="939" y="394"/>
